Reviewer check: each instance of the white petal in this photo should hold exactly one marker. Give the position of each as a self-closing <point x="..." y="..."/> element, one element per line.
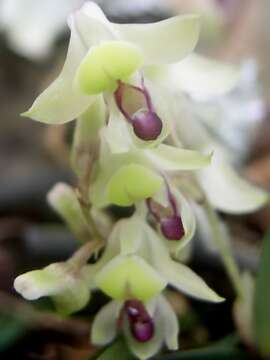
<point x="200" y="77"/>
<point x="61" y="102"/>
<point x="166" y="41"/>
<point x="227" y="191"/>
<point x="116" y="133"/>
<point x="170" y="158"/>
<point x="104" y="327"/>
<point x="148" y="349"/>
<point x="170" y="323"/>
<point x="32" y="26"/>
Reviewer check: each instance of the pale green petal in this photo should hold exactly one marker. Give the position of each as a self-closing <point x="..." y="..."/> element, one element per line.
<point x="116" y="133"/>
<point x="150" y="348"/>
<point x="170" y="158"/>
<point x="227" y="191"/>
<point x="170" y="323"/>
<point x="93" y="25"/>
<point x="200" y="77"/>
<point x="104" y="327"/>
<point x="129" y="276"/>
<point x="132" y="183"/>
<point x="177" y="275"/>
<point x="185" y="280"/>
<point x="131" y="235"/>
<point x="61" y="102"/>
<point x="166" y="41"/>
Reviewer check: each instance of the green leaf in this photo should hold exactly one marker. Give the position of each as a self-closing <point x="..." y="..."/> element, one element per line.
<point x="225" y="349"/>
<point x="12" y="328"/>
<point x="211" y="353"/>
<point x="262" y="300"/>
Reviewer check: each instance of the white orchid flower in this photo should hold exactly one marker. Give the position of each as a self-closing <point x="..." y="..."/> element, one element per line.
<point x="101" y="53"/>
<point x="145" y="327"/>
<point x="32" y="26"/>
<point x="224" y="187"/>
<point x="126" y="178"/>
<point x="137" y="263"/>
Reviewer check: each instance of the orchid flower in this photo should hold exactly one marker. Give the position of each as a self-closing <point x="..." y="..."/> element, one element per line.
<point x="136" y="265"/>
<point x="224" y="188"/>
<point x="145" y="326"/>
<point x="125" y="178"/>
<point x="102" y="53"/>
<point x="27" y="22"/>
<point x="106" y="58"/>
<point x="140" y="265"/>
<point x="115" y="59"/>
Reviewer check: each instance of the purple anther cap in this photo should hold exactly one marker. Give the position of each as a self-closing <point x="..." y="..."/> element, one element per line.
<point x="141" y="324"/>
<point x="146" y="125"/>
<point x="172" y="227"/>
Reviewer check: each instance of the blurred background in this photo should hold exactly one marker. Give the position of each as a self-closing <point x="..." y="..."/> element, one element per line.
<point x="33" y="43"/>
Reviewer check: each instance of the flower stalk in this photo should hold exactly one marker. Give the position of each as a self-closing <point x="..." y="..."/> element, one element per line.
<point x="224" y="249"/>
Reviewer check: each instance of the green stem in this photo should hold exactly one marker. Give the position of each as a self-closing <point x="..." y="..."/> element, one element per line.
<point x="224" y="249"/>
<point x="82" y="255"/>
<point x="86" y="207"/>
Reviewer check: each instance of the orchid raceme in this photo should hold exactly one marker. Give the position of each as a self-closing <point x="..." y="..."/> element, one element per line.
<point x="134" y="119"/>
